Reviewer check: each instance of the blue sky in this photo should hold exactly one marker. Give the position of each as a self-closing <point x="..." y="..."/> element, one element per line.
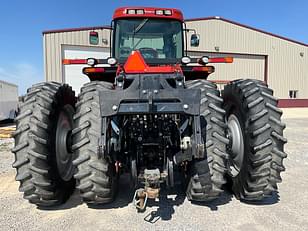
<point x="22" y="23"/>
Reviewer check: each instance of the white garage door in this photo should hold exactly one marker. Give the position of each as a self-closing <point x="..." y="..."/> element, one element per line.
<point x="72" y="74"/>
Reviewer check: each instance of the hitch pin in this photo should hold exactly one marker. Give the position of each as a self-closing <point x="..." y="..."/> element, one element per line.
<point x="140" y="199"/>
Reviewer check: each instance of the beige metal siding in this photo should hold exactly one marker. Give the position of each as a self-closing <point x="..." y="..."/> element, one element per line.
<point x="53" y="43"/>
<point x="287" y="70"/>
<point x="252" y="66"/>
<point x="8" y="100"/>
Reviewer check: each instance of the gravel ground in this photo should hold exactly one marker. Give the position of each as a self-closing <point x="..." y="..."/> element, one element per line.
<point x="287" y="210"/>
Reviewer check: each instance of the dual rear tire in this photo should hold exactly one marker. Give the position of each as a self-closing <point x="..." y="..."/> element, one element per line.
<point x="248" y="139"/>
<point x="95" y="174"/>
<point x="242" y="133"/>
<point x="257" y="144"/>
<point x="43" y="160"/>
<point x="50" y="154"/>
<point x="213" y="129"/>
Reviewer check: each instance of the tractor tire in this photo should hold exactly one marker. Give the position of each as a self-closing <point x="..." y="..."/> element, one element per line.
<point x="45" y="174"/>
<point x="95" y="175"/>
<point x="213" y="129"/>
<point x="256" y="163"/>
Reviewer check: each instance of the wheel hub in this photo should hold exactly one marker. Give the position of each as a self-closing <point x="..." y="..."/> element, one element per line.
<point x="236" y="145"/>
<point x="63" y="143"/>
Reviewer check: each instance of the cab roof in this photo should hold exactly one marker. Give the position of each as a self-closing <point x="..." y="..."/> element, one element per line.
<point x="148" y="12"/>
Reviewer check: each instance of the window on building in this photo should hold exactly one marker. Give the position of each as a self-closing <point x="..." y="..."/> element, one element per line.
<point x="293" y="94"/>
<point x="93" y="38"/>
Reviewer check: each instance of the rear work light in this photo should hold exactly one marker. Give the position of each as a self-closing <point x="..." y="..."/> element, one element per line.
<point x="163" y="12"/>
<point x="186" y="60"/>
<point x="204" y="60"/>
<point x="91" y="61"/>
<point x="112" y="61"/>
<point x="159" y="12"/>
<point x="167" y="12"/>
<point x="135" y="11"/>
<point x="130" y="11"/>
<point x="139" y="11"/>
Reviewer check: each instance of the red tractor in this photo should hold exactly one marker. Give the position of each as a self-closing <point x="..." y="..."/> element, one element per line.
<point x="148" y="110"/>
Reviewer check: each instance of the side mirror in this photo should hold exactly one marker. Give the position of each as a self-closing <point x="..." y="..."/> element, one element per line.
<point x="194" y="40"/>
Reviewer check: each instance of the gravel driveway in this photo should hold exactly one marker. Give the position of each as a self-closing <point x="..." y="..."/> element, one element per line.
<point x="286" y="211"/>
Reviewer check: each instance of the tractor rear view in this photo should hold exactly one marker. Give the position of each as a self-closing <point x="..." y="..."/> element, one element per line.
<point x="148" y="110"/>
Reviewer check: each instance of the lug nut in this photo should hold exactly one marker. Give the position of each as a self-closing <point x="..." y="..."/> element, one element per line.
<point x="114" y="107"/>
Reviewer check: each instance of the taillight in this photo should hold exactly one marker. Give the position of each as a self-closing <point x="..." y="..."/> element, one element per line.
<point x="208" y="69"/>
<point x="221" y="60"/>
<point x="88" y="70"/>
<point x="74" y="61"/>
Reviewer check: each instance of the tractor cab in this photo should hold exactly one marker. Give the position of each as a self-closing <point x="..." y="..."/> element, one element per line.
<point x="153" y="37"/>
<point x="156" y="33"/>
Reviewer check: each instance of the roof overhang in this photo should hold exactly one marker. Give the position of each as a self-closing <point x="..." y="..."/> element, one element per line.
<point x="77" y="29"/>
<point x="179" y="17"/>
<point x="245" y="26"/>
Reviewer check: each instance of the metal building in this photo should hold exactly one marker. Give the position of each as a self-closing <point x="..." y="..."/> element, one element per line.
<point x="279" y="61"/>
<point x="72" y="44"/>
<point x="8" y="100"/>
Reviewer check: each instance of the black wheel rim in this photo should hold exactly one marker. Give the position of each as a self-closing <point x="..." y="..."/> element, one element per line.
<point x="236" y="145"/>
<point x="63" y="143"/>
